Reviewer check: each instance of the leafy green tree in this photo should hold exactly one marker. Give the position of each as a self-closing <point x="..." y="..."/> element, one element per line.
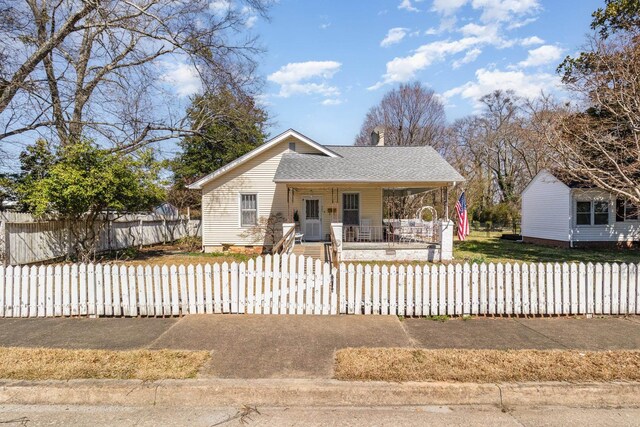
<point x="83" y="183"/>
<point x="617" y="15"/>
<point x="232" y="125"/>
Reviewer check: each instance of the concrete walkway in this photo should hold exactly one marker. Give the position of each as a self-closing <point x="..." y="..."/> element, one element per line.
<point x="278" y="346"/>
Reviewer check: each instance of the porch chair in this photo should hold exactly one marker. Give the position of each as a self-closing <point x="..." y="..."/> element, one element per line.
<point x="365" y="230"/>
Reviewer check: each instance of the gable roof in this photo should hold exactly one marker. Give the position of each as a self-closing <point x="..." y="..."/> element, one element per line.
<point x="261" y="149"/>
<point x="368" y="164"/>
<point x="562" y="180"/>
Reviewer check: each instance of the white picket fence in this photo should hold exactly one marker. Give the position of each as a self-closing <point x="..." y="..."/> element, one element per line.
<point x="299" y="285"/>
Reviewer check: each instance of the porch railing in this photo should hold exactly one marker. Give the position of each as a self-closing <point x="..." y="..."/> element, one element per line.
<point x="392" y="232"/>
<point x="285" y="245"/>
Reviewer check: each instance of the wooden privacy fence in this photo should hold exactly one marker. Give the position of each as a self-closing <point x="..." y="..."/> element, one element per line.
<point x="299" y="285"/>
<point x="26" y="240"/>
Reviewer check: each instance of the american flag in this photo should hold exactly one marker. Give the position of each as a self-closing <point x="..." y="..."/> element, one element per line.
<point x="463" y="219"/>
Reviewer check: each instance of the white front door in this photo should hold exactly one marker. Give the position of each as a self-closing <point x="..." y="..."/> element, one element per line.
<point x="312" y="218"/>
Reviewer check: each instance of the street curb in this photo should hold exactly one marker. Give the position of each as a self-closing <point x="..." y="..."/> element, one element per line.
<point x="302" y="392"/>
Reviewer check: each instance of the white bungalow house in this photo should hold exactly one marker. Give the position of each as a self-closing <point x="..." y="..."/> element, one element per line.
<point x="334" y="192"/>
<point x="564" y="214"/>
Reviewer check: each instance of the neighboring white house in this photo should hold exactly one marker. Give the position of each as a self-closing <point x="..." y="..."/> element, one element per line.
<point x="559" y="213"/>
<point x="331" y="190"/>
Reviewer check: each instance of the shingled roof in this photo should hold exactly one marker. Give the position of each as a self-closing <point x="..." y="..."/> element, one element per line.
<point x="368" y="164"/>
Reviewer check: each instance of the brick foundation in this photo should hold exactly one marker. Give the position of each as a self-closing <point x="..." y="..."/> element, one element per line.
<point x="585" y="244"/>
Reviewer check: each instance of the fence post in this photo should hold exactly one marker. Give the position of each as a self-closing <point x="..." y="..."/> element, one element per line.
<point x="4" y="226"/>
<point x="164" y="230"/>
<point x="141" y="234"/>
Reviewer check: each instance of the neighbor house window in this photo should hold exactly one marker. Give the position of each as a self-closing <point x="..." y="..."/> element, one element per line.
<point x="583" y="213"/>
<point x="248" y="209"/>
<point x="600" y="213"/>
<point x="592" y="213"/>
<point x="626" y="211"/>
<point x="351" y="209"/>
<point x="292" y="146"/>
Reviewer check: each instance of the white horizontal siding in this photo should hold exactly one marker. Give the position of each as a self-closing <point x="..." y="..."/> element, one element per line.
<point x="370" y="203"/>
<point x="220" y="197"/>
<point x="627" y="231"/>
<point x="546" y="208"/>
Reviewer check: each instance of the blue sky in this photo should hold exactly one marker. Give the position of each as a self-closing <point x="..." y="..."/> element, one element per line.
<point x="329" y="61"/>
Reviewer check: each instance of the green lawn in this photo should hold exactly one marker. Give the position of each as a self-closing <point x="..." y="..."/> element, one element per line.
<point x="487" y="247"/>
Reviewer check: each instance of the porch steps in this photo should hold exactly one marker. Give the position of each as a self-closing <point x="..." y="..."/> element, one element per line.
<point x="313" y="250"/>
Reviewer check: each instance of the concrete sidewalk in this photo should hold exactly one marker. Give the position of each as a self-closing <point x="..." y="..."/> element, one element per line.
<point x="278" y="346"/>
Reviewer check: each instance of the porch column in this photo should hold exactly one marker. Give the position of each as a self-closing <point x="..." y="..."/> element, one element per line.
<point x="336" y="228"/>
<point x="446" y="240"/>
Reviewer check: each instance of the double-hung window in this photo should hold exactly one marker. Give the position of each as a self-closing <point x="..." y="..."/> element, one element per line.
<point x="626" y="211"/>
<point x="351" y="208"/>
<point x="248" y="210"/>
<point x="592" y="213"/>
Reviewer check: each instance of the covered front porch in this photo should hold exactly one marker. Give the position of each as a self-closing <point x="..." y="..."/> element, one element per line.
<point x="373" y="222"/>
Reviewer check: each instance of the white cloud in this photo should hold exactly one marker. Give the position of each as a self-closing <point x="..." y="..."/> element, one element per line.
<point x="470" y="56"/>
<point x="182" y="77"/>
<point x="293" y="78"/>
<point x="541" y="56"/>
<point x="447" y="7"/>
<point x="402" y="69"/>
<point x="251" y="21"/>
<point x="332" y="101"/>
<point x="406" y="5"/>
<point x="505" y="10"/>
<point x="394" y="35"/>
<point x="530" y="41"/>
<point x="220" y="6"/>
<point x="523" y="84"/>
<point x="325" y="25"/>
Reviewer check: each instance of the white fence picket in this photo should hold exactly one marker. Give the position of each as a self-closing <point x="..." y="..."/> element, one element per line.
<point x="217" y="288"/>
<point x="275" y="299"/>
<point x="115" y="283"/>
<point x="300" y="290"/>
<point x="384" y="290"/>
<point x="142" y="295"/>
<point x="310" y="287"/>
<point x="326" y="284"/>
<point x="376" y="289"/>
<point x="208" y="288"/>
<point x="226" y="300"/>
<point x="191" y="289"/>
<point x="3" y="287"/>
<point x="133" y="295"/>
<point x="368" y="291"/>
<point x="351" y="277"/>
<point x="393" y="289"/>
<point x="251" y="274"/>
<point x="100" y="304"/>
<point x="409" y="294"/>
<point x="268" y="275"/>
<point x="450" y="290"/>
<point x="284" y="285"/>
<point x="200" y="304"/>
<point x="417" y="310"/>
<point x="402" y="277"/>
<point x="492" y="288"/>
<point x="8" y="291"/>
<point x="234" y="287"/>
<point x="433" y="283"/>
<point x="175" y="293"/>
<point x="242" y="287"/>
<point x="157" y="290"/>
<point x="624" y="288"/>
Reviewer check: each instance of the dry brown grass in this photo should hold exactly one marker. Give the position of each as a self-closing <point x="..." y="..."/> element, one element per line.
<point x="404" y="364"/>
<point x="58" y="364"/>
